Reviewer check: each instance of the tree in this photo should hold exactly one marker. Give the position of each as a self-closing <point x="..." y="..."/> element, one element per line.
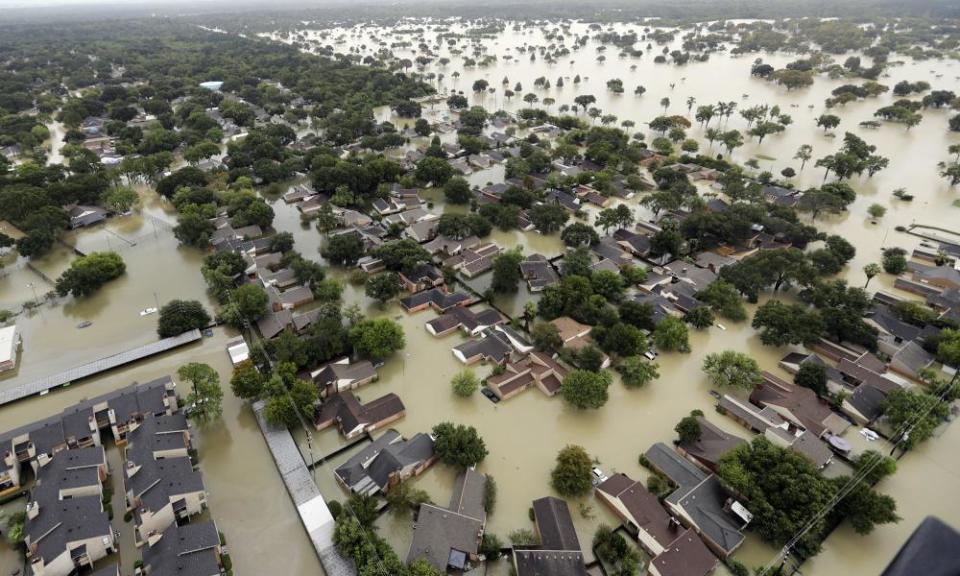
<point x="579" y="234"/>
<point x="950" y="171"/>
<point x="248" y="303"/>
<point x="804" y="154"/>
<point x="506" y="271"/>
<point x="870" y="270"/>
<point x="723" y="298"/>
<point x="876" y="211"/>
<point x="584" y="100"/>
<point x="637" y="371"/>
<point x="403" y="499"/>
<point x="781" y="324"/>
<point x="120" y="199"/>
<point x="612" y="548"/>
<point x="913" y="415"/>
<point x="343" y="249"/>
<point x="786" y="492"/>
<point x="827" y="121"/>
<point x="875" y="466"/>
<point x="948" y="350"/>
<point x="326" y="219"/>
<point x="402" y="255"/>
<point x="288" y="397"/>
<point x="863" y="507"/>
<point x="458" y="445"/>
<point x="205" y="400"/>
<point x="247" y="382"/>
<point x="376" y="339"/>
<point x="700" y="317"/>
<point x="585" y="389"/>
<point x="671" y="334"/>
<point x="179" y="316"/>
<point x="88" y="273"/>
<point x="435" y="170"/>
<point x="548" y="218"/>
<point x="572" y="474"/>
<point x="465" y="383"/>
<point x="422" y="127"/>
<point x="383" y="287"/>
<point x="894" y="261"/>
<point x="546" y="337"/>
<point x="688" y="430"/>
<point x="813" y="376"/>
<point x="732" y="369"/>
<point x="457" y="191"/>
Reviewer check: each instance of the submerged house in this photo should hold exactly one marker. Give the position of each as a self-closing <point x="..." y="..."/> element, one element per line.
<point x="710" y="447"/>
<point x="675" y="549"/>
<point x="449" y="538"/>
<point x="537" y="369"/>
<point x="385" y="462"/>
<point x="342" y="375"/>
<point x="558" y="553"/>
<point x="67" y="527"/>
<point x="464" y="319"/>
<point x="353" y="418"/>
<point x="798" y="405"/>
<point x="701" y="502"/>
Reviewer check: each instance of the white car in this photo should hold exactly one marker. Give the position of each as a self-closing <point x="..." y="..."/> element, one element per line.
<point x="598" y="476"/>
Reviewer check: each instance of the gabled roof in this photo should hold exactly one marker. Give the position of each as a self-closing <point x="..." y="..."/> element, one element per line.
<point x="713" y="444"/>
<point x="555" y="524"/>
<point x="801" y="403"/>
<point x="704" y="505"/>
<point x="644" y="508"/>
<point x="686" y="556"/>
<point x="439" y="533"/>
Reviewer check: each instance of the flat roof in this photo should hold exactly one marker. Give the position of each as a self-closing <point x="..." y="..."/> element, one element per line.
<point x="8" y="344"/>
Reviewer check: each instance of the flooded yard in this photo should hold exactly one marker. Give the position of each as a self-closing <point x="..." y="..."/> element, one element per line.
<point x="522" y="434"/>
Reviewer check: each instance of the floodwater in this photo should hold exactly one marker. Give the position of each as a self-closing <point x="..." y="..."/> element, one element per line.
<point x="247" y="498"/>
<point x="524" y="433"/>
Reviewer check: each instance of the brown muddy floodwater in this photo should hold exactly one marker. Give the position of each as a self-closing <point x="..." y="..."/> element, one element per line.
<point x="247" y="498"/>
<point x="524" y="433"/>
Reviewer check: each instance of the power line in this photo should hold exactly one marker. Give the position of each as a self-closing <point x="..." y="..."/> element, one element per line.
<point x="247" y="327"/>
<point x="902" y="434"/>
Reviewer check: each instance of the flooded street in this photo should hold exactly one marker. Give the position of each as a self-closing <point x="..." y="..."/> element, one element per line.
<point x="524" y="433"/>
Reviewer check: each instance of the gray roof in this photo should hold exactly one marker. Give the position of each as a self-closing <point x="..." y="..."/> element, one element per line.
<point x="704" y="504"/>
<point x="549" y="563"/>
<point x="188" y="550"/>
<point x="555" y="524"/>
<point x="61" y="522"/>
<point x="438" y="534"/>
<point x="675" y="467"/>
<point x="368" y="471"/>
<point x="468" y="494"/>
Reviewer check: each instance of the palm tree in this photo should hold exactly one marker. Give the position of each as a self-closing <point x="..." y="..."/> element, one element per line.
<point x="804" y="153"/>
<point x="955" y="149"/>
<point x="690" y="102"/>
<point x="665" y="102"/>
<point x="870" y="270"/>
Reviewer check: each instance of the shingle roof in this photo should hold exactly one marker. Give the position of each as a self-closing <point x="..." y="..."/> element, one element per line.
<point x="555" y="524"/>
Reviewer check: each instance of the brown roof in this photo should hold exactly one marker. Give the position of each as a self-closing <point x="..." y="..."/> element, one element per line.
<point x="644" y="508"/>
<point x="569" y="328"/>
<point x="687" y="556"/>
<point x="713" y="444"/>
<point x="814" y="414"/>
